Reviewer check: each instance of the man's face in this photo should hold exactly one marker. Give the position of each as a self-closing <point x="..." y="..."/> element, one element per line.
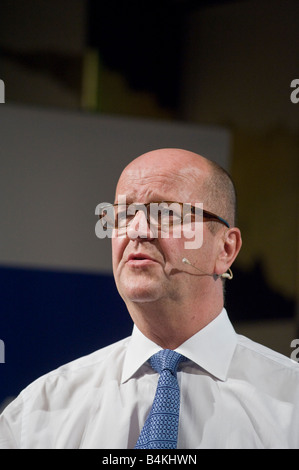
<point x="147" y="268"/>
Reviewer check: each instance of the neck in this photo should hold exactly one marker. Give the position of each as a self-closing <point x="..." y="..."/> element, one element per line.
<point x="169" y="326"/>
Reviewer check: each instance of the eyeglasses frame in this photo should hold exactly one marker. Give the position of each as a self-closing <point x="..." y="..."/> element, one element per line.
<point x="210" y="216"/>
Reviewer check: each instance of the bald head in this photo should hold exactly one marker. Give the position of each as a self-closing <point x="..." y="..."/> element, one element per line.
<point x="170" y="155"/>
<point x="204" y="176"/>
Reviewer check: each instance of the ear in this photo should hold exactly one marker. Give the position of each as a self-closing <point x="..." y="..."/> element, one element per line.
<point x="229" y="246"/>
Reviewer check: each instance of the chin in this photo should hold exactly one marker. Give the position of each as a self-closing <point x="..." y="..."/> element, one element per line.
<point x="141" y="294"/>
<point x="142" y="297"/>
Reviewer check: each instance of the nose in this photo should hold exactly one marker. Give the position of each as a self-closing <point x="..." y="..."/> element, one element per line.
<point x="139" y="227"/>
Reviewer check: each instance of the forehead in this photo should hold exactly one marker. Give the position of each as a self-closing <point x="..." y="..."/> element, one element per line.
<point x="146" y="184"/>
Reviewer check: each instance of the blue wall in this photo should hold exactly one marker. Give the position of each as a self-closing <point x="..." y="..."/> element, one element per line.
<point x="49" y="318"/>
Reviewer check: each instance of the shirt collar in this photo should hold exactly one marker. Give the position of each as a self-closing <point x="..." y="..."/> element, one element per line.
<point x="211" y="348"/>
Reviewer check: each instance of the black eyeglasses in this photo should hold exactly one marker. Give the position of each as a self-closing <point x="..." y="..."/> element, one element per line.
<point x="158" y="214"/>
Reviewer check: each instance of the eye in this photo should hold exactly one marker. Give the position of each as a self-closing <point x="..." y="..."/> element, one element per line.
<point x="175" y="215"/>
<point x="189" y="217"/>
<point x="170" y="215"/>
<point x="106" y="219"/>
<point x="166" y="212"/>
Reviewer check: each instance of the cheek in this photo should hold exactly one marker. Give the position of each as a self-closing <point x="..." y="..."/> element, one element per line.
<point x="118" y="246"/>
<point x="173" y="251"/>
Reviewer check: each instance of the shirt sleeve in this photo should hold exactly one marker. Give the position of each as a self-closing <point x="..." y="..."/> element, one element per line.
<point x="11" y="425"/>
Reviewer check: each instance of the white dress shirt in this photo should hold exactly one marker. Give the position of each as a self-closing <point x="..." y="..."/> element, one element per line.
<point x="234" y="394"/>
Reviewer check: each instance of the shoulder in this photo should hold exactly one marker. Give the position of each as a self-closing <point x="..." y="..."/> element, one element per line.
<point x="61" y="399"/>
<point x="76" y="377"/>
<point x="263" y="359"/>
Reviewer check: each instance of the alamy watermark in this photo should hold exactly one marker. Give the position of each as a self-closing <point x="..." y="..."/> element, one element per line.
<point x="295" y="93"/>
<point x="160" y="218"/>
<point x="295" y="353"/>
<point x="2" y="92"/>
<point x="2" y="352"/>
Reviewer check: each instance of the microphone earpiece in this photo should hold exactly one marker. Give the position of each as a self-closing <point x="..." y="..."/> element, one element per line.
<point x="186" y="261"/>
<point x="228" y="275"/>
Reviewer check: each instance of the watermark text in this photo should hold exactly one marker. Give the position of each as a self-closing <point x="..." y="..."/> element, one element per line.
<point x="295" y="353"/>
<point x="156" y="219"/>
<point x="2" y="352"/>
<point x="2" y="92"/>
<point x="295" y="93"/>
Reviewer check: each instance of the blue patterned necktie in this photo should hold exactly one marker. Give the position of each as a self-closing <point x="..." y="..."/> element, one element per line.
<point x="160" y="430"/>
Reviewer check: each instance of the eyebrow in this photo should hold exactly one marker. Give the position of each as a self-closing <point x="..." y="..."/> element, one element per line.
<point x="132" y="200"/>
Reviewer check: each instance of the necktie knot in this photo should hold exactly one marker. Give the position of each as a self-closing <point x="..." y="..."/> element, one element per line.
<point x="166" y="359"/>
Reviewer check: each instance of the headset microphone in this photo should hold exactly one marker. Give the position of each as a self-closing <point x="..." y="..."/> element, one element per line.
<point x="228" y="275"/>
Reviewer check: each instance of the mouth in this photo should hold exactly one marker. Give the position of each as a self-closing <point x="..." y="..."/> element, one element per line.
<point x="140" y="259"/>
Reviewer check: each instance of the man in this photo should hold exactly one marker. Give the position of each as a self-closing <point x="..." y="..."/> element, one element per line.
<point x="233" y="393"/>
